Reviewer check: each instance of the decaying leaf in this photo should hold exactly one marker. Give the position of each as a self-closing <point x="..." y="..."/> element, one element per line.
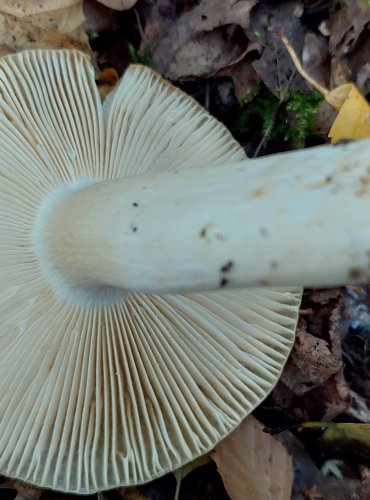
<point x="315" y="57"/>
<point x="254" y="464"/>
<point x="242" y="73"/>
<point x="314" y="371"/>
<point x="275" y="67"/>
<point x="347" y="25"/>
<point x="23" y="491"/>
<point x="106" y="80"/>
<point x="42" y="24"/>
<point x="311" y="363"/>
<point x="199" y="41"/>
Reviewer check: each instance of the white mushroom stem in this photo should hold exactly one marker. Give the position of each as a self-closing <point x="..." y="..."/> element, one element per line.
<point x="300" y="218"/>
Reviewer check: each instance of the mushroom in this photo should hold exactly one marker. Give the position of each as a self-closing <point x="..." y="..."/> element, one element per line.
<point x="101" y="384"/>
<point x="128" y="346"/>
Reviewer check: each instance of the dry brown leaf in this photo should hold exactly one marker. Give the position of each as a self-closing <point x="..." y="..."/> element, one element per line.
<point x="42" y="24"/>
<point x="118" y="4"/>
<point x="199" y="41"/>
<point x="275" y="67"/>
<point x="253" y="464"/>
<point x="243" y="74"/>
<point x="346" y="27"/>
<point x="201" y="57"/>
<point x="24" y="491"/>
<point x="211" y="14"/>
<point x="130" y="494"/>
<point x="311" y="362"/>
<point x="349" y="45"/>
<point x="315" y="57"/>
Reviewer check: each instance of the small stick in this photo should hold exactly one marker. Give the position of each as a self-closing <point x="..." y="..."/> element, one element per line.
<point x="299" y="67"/>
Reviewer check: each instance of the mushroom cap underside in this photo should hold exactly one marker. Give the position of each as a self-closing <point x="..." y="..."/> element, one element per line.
<point x="98" y="396"/>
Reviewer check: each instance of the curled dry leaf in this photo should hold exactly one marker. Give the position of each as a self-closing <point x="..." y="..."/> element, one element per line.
<point x="311" y="363"/>
<point x="254" y="464"/>
<point x="42" y="24"/>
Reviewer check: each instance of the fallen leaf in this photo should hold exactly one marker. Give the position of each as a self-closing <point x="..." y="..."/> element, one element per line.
<point x="323" y="392"/>
<point x="130" y="494"/>
<point x="253" y="464"/>
<point x="346" y="27"/>
<point x="42" y="24"/>
<point x="311" y="362"/>
<point x="24" y="491"/>
<point x="243" y="75"/>
<point x="345" y="440"/>
<point x="363" y="77"/>
<point x="315" y="57"/>
<point x="181" y="473"/>
<point x="118" y="4"/>
<point x="353" y="120"/>
<point x="106" y="81"/>
<point x="275" y="67"/>
<point x="201" y="57"/>
<point x="199" y="41"/>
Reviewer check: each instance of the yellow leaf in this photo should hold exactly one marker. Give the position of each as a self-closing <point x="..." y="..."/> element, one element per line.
<point x="353" y="120"/>
<point x="346" y="437"/>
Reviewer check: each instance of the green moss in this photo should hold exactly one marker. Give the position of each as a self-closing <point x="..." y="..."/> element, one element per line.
<point x="304" y="108"/>
<point x="143" y="56"/>
<point x="93" y="35"/>
<point x="278" y="120"/>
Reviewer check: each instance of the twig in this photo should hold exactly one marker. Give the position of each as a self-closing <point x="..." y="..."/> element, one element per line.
<point x="299" y="67"/>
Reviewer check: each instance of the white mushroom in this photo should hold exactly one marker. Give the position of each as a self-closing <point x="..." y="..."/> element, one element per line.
<point x="100" y="384"/>
<point x="103" y="383"/>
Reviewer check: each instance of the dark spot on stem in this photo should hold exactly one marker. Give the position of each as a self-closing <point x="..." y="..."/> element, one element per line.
<point x="134" y="228"/>
<point x="355" y="273"/>
<point x="220" y="237"/>
<point x="223" y="282"/>
<point x="264" y="232"/>
<point x="274" y="265"/>
<point x="135" y="204"/>
<point x="328" y="179"/>
<point x="203" y="232"/>
<point x="227" y="267"/>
